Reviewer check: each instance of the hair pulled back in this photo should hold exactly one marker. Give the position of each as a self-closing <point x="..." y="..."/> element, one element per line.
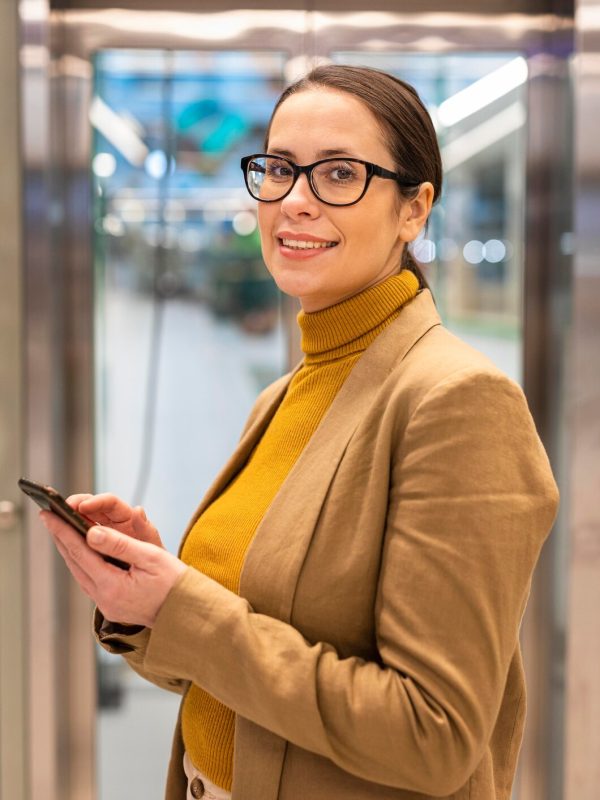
<point x="405" y="123"/>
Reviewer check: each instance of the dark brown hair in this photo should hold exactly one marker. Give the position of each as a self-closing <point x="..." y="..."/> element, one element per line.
<point x="404" y="121"/>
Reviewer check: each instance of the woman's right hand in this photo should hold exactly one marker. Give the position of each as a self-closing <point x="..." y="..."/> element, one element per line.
<point x="110" y="510"/>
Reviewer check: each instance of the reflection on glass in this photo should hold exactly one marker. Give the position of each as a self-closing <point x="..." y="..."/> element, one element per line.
<point x="187" y="326"/>
<point x="473" y="249"/>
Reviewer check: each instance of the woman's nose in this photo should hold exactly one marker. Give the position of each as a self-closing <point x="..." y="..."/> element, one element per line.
<point x="301" y="199"/>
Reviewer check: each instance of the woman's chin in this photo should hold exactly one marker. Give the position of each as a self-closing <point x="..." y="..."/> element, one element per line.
<point x="294" y="284"/>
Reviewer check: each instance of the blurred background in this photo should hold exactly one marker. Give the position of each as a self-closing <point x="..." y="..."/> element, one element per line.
<point x="139" y="323"/>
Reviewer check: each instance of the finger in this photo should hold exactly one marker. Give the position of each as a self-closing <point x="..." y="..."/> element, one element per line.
<point x="110" y="542"/>
<point x="83" y="579"/>
<point x="110" y="511"/>
<point x="75" y="500"/>
<point x="75" y="546"/>
<point x="139" y="519"/>
<point x="114" y="510"/>
<point x="142" y="528"/>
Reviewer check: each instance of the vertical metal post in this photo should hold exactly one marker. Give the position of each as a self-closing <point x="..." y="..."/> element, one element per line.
<point x="40" y="402"/>
<point x="582" y="765"/>
<point x="12" y="595"/>
<point x="546" y="297"/>
<point x="59" y="667"/>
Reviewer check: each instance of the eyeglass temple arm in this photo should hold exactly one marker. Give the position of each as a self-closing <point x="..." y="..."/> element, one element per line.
<point x="381" y="172"/>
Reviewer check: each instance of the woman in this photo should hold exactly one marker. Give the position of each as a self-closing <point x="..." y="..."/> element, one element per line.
<point x="343" y="619"/>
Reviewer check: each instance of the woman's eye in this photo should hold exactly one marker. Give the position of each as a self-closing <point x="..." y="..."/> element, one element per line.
<point x="341" y="173"/>
<point x="279" y="170"/>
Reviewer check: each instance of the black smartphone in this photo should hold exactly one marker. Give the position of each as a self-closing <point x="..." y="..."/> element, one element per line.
<point x="50" y="500"/>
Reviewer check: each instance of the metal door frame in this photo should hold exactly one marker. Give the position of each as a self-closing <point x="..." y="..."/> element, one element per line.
<point x="12" y="552"/>
<point x="58" y="47"/>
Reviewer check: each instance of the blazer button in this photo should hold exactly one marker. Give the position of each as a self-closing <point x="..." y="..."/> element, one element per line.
<point x="197" y="789"/>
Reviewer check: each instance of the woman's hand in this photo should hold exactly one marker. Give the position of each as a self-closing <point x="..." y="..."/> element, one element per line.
<point x="110" y="510"/>
<point x="132" y="596"/>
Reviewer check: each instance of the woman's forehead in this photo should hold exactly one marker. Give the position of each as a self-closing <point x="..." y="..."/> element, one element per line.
<point x="320" y="119"/>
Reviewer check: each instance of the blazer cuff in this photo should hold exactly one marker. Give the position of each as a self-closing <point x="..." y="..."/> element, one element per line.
<point x="117" y="637"/>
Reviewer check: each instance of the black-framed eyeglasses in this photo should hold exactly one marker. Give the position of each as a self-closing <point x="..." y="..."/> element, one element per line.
<point x="335" y="181"/>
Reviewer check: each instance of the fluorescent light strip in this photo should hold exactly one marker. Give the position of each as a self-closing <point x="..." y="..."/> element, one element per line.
<point x="211" y="27"/>
<point x="483" y="136"/>
<point x="483" y="92"/>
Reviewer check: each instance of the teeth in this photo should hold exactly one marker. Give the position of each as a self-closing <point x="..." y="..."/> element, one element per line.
<point x="302" y="244"/>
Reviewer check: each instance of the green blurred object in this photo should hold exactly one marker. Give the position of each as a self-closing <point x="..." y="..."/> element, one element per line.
<point x="195" y="113"/>
<point x="231" y="128"/>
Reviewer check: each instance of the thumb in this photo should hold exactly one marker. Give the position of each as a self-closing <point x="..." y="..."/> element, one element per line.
<point x="110" y="542"/>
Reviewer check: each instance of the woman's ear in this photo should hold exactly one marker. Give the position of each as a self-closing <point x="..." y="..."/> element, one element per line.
<point x="414" y="213"/>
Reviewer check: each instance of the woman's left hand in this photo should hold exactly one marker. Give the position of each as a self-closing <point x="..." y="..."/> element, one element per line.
<point x="132" y="596"/>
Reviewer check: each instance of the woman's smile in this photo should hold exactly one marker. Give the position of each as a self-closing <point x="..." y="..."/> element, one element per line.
<point x="303" y="245"/>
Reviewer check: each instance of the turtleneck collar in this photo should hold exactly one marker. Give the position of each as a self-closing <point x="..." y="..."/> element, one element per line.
<point x="350" y="326"/>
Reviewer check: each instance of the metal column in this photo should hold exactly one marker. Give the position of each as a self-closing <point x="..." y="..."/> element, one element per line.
<point x="582" y="777"/>
<point x="12" y="557"/>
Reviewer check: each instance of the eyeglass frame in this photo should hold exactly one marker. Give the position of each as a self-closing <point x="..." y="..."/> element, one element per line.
<point x="372" y="169"/>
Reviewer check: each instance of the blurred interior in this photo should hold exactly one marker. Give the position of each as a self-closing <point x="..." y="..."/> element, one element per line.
<point x="152" y="322"/>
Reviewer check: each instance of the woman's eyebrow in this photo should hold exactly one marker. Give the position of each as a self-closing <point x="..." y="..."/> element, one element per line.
<point x="337" y="151"/>
<point x="328" y="153"/>
<point x="280" y="151"/>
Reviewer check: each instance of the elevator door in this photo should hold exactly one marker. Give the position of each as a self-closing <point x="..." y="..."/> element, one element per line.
<point x="187" y="321"/>
<point x="187" y="325"/>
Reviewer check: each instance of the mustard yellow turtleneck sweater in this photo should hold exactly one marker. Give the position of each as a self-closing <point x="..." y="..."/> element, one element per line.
<point x="332" y="340"/>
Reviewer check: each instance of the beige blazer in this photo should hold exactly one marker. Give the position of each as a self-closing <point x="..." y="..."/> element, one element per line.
<point x="373" y="651"/>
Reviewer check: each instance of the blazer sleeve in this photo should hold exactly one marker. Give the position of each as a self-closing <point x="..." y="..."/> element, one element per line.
<point x="471" y="501"/>
<point x="130" y="641"/>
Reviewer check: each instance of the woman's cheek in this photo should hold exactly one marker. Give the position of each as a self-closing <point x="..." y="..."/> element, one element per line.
<point x="267" y="242"/>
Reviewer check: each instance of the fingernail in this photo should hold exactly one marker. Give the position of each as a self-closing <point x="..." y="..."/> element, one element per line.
<point x="95" y="535"/>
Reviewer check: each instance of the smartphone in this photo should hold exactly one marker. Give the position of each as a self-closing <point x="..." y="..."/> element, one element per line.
<point x="50" y="500"/>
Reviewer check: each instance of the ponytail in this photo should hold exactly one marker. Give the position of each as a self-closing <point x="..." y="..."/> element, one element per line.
<point x="409" y="262"/>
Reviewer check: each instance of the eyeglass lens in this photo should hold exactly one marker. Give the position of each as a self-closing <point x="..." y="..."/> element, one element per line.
<point x="336" y="181"/>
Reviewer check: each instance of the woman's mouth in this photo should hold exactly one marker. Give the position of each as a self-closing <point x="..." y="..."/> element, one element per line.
<point x="305" y="244"/>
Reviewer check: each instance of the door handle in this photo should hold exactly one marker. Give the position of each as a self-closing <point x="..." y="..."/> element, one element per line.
<point x="9" y="515"/>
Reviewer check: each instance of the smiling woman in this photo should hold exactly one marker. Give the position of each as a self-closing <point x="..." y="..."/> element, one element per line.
<point x="343" y="618"/>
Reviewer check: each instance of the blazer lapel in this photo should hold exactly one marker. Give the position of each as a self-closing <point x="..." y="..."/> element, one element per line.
<point x="243" y="450"/>
<point x="284" y="535"/>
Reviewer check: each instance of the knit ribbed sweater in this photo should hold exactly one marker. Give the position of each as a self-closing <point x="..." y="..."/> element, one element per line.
<point x="332" y="341"/>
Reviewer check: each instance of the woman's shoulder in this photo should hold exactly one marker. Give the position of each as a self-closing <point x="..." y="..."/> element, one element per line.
<point x="425" y="351"/>
<point x="441" y="353"/>
<point x="440" y="363"/>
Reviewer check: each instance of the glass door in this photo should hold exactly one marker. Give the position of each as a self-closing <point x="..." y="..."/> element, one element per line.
<point x="188" y="325"/>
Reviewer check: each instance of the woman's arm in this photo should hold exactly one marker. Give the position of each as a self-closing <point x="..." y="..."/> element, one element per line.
<point x="472" y="499"/>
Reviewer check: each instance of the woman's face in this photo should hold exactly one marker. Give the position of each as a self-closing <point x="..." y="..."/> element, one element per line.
<point x="368" y="237"/>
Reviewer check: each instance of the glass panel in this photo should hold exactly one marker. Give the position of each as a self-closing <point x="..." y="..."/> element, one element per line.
<point x="187" y="320"/>
<point x="473" y="249"/>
